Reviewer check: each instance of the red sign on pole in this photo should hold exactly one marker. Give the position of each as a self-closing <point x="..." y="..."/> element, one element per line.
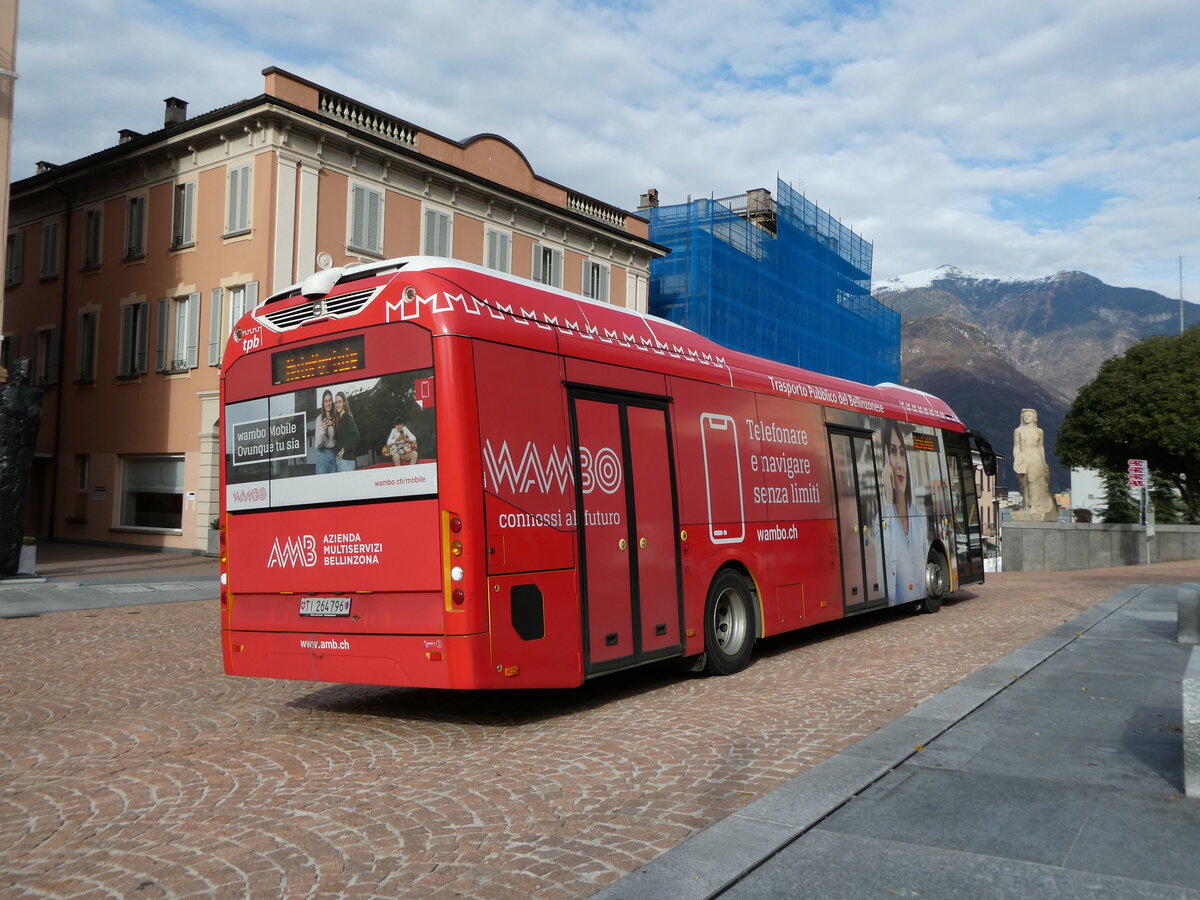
<point x="1137" y="473"/>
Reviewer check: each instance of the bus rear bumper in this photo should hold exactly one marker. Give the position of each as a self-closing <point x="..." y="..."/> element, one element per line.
<point x="432" y="661"/>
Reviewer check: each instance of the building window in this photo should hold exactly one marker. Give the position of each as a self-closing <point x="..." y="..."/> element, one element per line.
<point x="366" y="220"/>
<point x="135" y="338"/>
<point x="241" y="299"/>
<point x="637" y="292"/>
<point x="10" y="348"/>
<point x="14" y="259"/>
<point x="547" y="265"/>
<point x="85" y="352"/>
<point x="437" y="233"/>
<point x="595" y="281"/>
<point x="82" y="477"/>
<point x="47" y="342"/>
<point x="177" y="345"/>
<point x="183" y="229"/>
<point x="152" y="492"/>
<point x="82" y="465"/>
<point x="14" y="269"/>
<point x="49" y="267"/>
<point x="499" y="251"/>
<point x="237" y="218"/>
<point x="93" y="227"/>
<point x="135" y="227"/>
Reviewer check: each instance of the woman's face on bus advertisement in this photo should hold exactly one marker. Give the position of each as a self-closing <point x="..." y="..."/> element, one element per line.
<point x="898" y="460"/>
<point x="327" y="403"/>
<point x="340" y="405"/>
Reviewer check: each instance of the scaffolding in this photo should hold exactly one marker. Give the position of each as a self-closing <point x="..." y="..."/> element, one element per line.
<point x="776" y="278"/>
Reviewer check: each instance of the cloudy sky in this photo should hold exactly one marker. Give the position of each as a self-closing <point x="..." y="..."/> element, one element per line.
<point x="1006" y="138"/>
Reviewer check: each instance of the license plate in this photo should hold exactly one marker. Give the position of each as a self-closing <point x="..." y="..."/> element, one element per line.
<point x="324" y="606"/>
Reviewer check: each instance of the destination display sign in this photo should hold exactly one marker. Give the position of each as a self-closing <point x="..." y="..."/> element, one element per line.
<point x="318" y="360"/>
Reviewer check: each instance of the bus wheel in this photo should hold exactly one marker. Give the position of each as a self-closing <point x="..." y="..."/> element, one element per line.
<point x="728" y="625"/>
<point x="937" y="581"/>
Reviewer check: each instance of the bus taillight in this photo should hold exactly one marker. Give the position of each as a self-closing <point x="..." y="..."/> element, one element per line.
<point x="452" y="551"/>
<point x="223" y="550"/>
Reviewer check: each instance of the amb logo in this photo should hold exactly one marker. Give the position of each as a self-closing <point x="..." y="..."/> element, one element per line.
<point x="288" y="553"/>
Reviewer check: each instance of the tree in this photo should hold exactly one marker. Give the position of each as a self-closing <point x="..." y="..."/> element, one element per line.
<point x="1165" y="500"/>
<point x="377" y="408"/>
<point x="1119" y="505"/>
<point x="1144" y="404"/>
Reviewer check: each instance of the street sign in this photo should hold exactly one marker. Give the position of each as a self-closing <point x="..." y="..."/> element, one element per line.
<point x="1138" y="473"/>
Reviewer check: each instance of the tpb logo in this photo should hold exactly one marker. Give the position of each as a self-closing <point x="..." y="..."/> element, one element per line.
<point x="288" y="553"/>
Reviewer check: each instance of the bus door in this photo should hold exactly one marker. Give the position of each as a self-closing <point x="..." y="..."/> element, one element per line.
<point x="628" y="527"/>
<point x="859" y="524"/>
<point x="968" y="532"/>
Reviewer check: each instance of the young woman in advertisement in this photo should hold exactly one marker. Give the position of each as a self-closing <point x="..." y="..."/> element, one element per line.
<point x="325" y="435"/>
<point x="346" y="443"/>
<point x="905" y="536"/>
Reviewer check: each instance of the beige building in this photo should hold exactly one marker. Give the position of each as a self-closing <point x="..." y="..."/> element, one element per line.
<point x="8" y="77"/>
<point x="126" y="269"/>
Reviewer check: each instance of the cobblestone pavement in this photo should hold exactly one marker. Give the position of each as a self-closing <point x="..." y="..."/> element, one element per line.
<point x="130" y="765"/>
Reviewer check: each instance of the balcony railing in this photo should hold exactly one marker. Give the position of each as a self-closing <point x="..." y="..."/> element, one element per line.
<point x="594" y="209"/>
<point x="364" y="117"/>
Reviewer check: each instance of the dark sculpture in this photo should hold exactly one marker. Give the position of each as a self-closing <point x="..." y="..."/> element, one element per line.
<point x="20" y="413"/>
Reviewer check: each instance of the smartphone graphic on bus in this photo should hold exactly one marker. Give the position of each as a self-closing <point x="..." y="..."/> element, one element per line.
<point x="723" y="479"/>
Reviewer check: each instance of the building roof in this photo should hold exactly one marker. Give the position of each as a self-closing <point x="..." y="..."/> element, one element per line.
<point x="595" y="213"/>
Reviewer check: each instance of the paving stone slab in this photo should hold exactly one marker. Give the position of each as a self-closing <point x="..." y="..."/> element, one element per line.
<point x="1099" y="654"/>
<point x="835" y="866"/>
<point x="1143" y="837"/>
<point x="998" y="815"/>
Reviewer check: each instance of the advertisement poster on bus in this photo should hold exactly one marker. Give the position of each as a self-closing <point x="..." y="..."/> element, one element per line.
<point x="910" y="480"/>
<point x="367" y="439"/>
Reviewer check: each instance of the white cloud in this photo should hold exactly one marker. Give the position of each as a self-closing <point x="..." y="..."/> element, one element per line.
<point x="907" y="119"/>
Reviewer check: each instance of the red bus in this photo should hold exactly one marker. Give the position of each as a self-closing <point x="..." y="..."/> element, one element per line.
<point x="437" y="475"/>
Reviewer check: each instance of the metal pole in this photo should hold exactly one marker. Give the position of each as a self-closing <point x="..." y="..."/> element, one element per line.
<point x="1146" y="524"/>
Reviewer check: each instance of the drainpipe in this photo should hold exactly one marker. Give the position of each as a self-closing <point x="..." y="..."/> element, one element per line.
<point x="62" y="358"/>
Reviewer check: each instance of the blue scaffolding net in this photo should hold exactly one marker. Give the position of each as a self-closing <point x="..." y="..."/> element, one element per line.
<point x="776" y="278"/>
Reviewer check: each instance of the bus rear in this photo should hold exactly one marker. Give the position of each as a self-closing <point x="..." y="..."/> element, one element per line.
<point x="341" y="560"/>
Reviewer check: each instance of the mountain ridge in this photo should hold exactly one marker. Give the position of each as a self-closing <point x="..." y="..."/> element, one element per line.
<point x="991" y="346"/>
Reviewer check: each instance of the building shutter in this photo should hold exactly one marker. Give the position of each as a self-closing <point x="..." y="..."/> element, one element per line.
<point x="215" y="331"/>
<point x="193" y="330"/>
<point x="374" y="221"/>
<point x="142" y="336"/>
<point x="53" y="349"/>
<point x="358" y="213"/>
<point x="125" y="363"/>
<point x="161" y="334"/>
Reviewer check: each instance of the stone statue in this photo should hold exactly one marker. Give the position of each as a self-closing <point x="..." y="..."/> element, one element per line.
<point x="1033" y="475"/>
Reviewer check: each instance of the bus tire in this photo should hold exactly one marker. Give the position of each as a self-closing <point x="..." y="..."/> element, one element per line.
<point x="937" y="582"/>
<point x="729" y="624"/>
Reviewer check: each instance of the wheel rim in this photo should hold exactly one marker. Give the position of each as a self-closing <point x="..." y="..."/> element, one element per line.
<point x="729" y="622"/>
<point x="935" y="578"/>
